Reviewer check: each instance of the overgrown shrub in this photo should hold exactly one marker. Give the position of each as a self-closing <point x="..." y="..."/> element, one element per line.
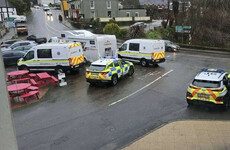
<point x="123" y="34"/>
<point x="153" y="34"/>
<point x="136" y="32"/>
<point x="112" y="28"/>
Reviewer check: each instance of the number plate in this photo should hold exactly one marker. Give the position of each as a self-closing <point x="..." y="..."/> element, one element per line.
<point x="205" y="96"/>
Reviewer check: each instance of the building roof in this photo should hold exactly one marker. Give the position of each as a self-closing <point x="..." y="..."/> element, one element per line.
<point x="210" y="75"/>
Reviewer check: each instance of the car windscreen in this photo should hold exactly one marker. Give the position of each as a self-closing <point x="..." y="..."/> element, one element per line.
<point x="97" y="67"/>
<point x="206" y="84"/>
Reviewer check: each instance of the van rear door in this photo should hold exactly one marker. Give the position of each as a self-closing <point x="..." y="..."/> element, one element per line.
<point x="76" y="54"/>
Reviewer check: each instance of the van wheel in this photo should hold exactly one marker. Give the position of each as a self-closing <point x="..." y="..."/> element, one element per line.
<point x="23" y="68"/>
<point x="144" y="63"/>
<point x="131" y="71"/>
<point x="119" y="56"/>
<point x="169" y="49"/>
<point x="114" y="80"/>
<point x="59" y="70"/>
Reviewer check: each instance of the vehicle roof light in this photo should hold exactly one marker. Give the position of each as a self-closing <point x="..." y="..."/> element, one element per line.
<point x="204" y="69"/>
<point x="220" y="70"/>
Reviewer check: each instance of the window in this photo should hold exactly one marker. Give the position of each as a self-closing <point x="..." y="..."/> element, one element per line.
<point x="123" y="47"/>
<point x="108" y="4"/>
<point x="134" y="46"/>
<point x="72" y="6"/>
<point x="206" y="84"/>
<point x="97" y="67"/>
<point x="15" y="45"/>
<point x="22" y="44"/>
<point x="44" y="53"/>
<point x="109" y="13"/>
<point x="127" y="14"/>
<point x="110" y="65"/>
<point x="29" y="55"/>
<point x="92" y="42"/>
<point x="116" y="64"/>
<point x="136" y="14"/>
<point x="91" y="4"/>
<point x="92" y="14"/>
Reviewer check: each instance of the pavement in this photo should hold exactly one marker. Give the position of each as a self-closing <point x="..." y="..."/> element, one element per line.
<point x="186" y="135"/>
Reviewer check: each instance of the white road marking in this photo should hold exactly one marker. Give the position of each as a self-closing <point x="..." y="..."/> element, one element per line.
<point x="141" y="88"/>
<point x="148" y="74"/>
<point x="167" y="56"/>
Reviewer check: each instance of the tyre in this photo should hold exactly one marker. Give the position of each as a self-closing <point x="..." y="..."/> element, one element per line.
<point x="190" y="103"/>
<point x="23" y="68"/>
<point x="114" y="80"/>
<point x="226" y="105"/>
<point x="170" y="49"/>
<point x="119" y="56"/>
<point x="59" y="69"/>
<point x="131" y="71"/>
<point x="144" y="63"/>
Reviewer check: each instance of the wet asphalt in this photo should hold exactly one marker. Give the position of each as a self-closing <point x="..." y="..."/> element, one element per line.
<point x="82" y="117"/>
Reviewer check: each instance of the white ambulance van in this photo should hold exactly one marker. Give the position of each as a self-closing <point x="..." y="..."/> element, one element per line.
<point x="144" y="51"/>
<point x="58" y="57"/>
<point x="95" y="46"/>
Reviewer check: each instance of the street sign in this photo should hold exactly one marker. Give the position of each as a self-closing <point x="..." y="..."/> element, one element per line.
<point x="183" y="29"/>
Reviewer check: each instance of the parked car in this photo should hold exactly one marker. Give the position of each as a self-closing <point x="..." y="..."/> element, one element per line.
<point x="11" y="57"/>
<point x="19" y="43"/>
<point x="37" y="38"/>
<point x="23" y="48"/>
<point x="19" y="18"/>
<point x="7" y="43"/>
<point x="46" y="8"/>
<point x="36" y="6"/>
<point x="170" y="46"/>
<point x="140" y="24"/>
<point x="49" y="13"/>
<point x="21" y="29"/>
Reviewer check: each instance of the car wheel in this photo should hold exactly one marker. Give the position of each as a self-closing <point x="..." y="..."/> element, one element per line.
<point x="23" y="68"/>
<point x="190" y="103"/>
<point x="114" y="80"/>
<point x="59" y="70"/>
<point x="170" y="49"/>
<point x="144" y="63"/>
<point x="131" y="71"/>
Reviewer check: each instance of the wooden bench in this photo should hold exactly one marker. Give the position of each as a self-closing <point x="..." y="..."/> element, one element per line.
<point x="54" y="80"/>
<point x="33" y="88"/>
<point x="31" y="93"/>
<point x="33" y="82"/>
<point x="20" y="80"/>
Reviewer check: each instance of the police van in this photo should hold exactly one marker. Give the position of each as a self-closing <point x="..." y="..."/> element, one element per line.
<point x="210" y="86"/>
<point x="143" y="50"/>
<point x="58" y="57"/>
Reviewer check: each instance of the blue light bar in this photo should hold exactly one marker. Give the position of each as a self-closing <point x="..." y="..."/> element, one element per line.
<point x="220" y="70"/>
<point x="112" y="57"/>
<point x="204" y="69"/>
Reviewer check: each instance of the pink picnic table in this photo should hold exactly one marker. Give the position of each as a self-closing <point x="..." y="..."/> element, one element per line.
<point x="17" y="74"/>
<point x="18" y="87"/>
<point x="44" y="79"/>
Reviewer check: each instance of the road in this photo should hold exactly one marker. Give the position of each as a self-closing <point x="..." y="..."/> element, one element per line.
<point x="82" y="117"/>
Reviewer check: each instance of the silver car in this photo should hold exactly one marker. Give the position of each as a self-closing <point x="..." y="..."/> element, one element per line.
<point x="19" y="43"/>
<point x="170" y="46"/>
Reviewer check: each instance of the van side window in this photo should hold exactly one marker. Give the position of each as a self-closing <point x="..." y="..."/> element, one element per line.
<point x="116" y="64"/>
<point x="29" y="56"/>
<point x="44" y="53"/>
<point x="92" y="42"/>
<point x="123" y="47"/>
<point x="134" y="46"/>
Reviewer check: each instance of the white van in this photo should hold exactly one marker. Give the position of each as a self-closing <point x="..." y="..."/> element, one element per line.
<point x="58" y="57"/>
<point x="143" y="51"/>
<point x="95" y="46"/>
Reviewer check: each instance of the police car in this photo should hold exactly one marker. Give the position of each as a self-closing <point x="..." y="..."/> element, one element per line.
<point x="209" y="86"/>
<point x="108" y="70"/>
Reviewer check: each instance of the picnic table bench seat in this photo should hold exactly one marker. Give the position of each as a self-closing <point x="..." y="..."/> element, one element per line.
<point x="31" y="93"/>
<point x="20" y="80"/>
<point x="33" y="88"/>
<point x="33" y="82"/>
<point x="54" y="80"/>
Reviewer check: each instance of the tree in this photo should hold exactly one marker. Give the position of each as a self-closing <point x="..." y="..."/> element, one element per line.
<point x="136" y="32"/>
<point x="20" y="6"/>
<point x="130" y="3"/>
<point x="112" y="28"/>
